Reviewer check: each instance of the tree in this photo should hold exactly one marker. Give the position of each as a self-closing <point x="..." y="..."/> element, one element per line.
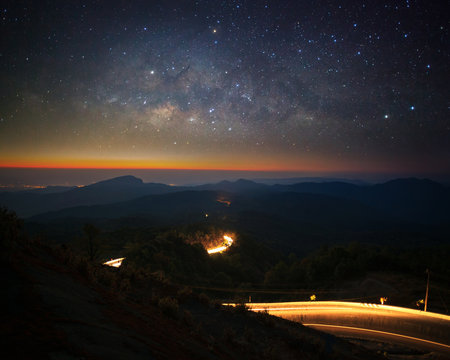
<point x="92" y="246"/>
<point x="277" y="275"/>
<point x="10" y="225"/>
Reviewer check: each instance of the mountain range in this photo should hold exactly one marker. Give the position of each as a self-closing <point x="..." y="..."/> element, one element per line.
<point x="32" y="202"/>
<point x="407" y="200"/>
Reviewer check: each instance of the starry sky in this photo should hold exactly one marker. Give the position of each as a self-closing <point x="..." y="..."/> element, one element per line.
<point x="311" y="86"/>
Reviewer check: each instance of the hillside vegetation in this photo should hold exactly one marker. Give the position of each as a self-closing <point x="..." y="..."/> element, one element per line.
<point x="61" y="305"/>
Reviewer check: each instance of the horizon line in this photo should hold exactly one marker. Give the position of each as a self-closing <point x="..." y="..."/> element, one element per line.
<point x="50" y="167"/>
<point x="301" y="173"/>
<point x="281" y="170"/>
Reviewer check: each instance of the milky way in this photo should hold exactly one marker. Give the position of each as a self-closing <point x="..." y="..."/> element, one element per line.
<point x="295" y="85"/>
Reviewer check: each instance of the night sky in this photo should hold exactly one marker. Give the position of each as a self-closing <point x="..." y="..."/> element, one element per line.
<point x="328" y="86"/>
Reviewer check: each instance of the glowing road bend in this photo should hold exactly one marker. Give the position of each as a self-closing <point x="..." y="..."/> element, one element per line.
<point x="424" y="330"/>
<point x="227" y="242"/>
<point x="114" y="262"/>
<point x="383" y="336"/>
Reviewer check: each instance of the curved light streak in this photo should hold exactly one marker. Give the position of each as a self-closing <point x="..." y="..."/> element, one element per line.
<point x="228" y="241"/>
<point x="379" y="332"/>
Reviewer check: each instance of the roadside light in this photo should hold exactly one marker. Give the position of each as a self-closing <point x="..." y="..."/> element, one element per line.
<point x="383" y="300"/>
<point x="426" y="293"/>
<point x="419" y="303"/>
<point x="312" y="297"/>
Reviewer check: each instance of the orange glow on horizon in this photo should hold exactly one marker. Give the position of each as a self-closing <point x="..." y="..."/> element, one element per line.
<point x="235" y="161"/>
<point x="137" y="167"/>
<point x="174" y="165"/>
<point x="143" y="165"/>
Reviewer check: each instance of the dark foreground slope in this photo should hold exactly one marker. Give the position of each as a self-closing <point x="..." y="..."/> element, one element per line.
<point x="58" y="306"/>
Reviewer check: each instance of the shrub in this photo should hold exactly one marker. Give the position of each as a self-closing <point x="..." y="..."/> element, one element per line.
<point x="169" y="306"/>
<point x="204" y="299"/>
<point x="106" y="278"/>
<point x="184" y="293"/>
<point x="82" y="266"/>
<point x="249" y="334"/>
<point x="229" y="334"/>
<point x="241" y="308"/>
<point x="265" y="318"/>
<point x="124" y="286"/>
<point x="188" y="319"/>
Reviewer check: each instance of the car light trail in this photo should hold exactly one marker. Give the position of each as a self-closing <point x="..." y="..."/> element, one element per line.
<point x="225" y="202"/>
<point x="378" y="332"/>
<point x="227" y="242"/>
<point x="383" y="336"/>
<point x="343" y="305"/>
<point x="385" y="323"/>
<point x="114" y="262"/>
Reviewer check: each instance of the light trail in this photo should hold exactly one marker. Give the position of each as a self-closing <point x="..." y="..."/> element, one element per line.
<point x="226" y="202"/>
<point x="114" y="262"/>
<point x="389" y="334"/>
<point x="227" y="242"/>
<point x="341" y="305"/>
<point x="385" y="323"/>
<point x="293" y="308"/>
<point x="217" y="250"/>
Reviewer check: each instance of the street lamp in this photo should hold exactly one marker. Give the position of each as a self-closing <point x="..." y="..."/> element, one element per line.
<point x="426" y="293"/>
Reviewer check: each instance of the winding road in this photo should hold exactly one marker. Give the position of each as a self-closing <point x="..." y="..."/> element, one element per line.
<point x="390" y="324"/>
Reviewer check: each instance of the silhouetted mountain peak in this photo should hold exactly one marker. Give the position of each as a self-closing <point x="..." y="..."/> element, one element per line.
<point x="240" y="185"/>
<point x="411" y="180"/>
<point x="237" y="182"/>
<point x="223" y="182"/>
<point x="244" y="182"/>
<point x="121" y="180"/>
<point x="411" y="184"/>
